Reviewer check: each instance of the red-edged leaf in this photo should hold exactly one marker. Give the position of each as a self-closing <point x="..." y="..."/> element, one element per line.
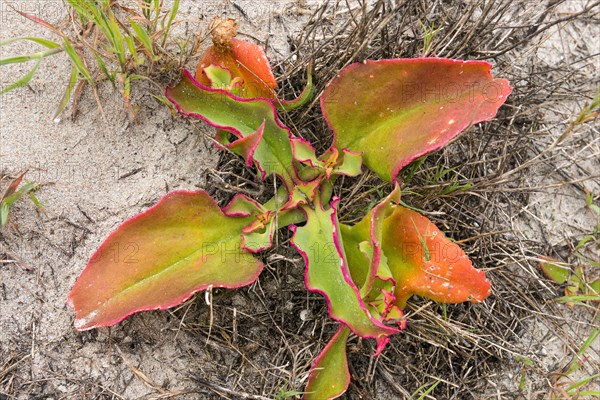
<point x="397" y="110"/>
<point x="395" y="244"/>
<point x="243" y="206"/>
<point x="243" y="60"/>
<point x="332" y="162"/>
<point x="369" y="265"/>
<point x="218" y="77"/>
<point x="259" y="240"/>
<point x="350" y="164"/>
<point x="320" y="244"/>
<point x="424" y="262"/>
<point x="242" y="117"/>
<point x="304" y="97"/>
<point x="329" y="376"/>
<point x="304" y="152"/>
<point x="302" y="193"/>
<point x="247" y="145"/>
<point x="159" y="258"/>
<point x="367" y="234"/>
<point x="258" y="235"/>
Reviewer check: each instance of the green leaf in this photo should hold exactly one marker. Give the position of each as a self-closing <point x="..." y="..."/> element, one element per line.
<point x="220" y="78"/>
<point x="594" y="287"/>
<point x="367" y="234"/>
<point x="104" y="69"/>
<point x="427" y="391"/>
<point x="579" y="299"/>
<point x="25" y="79"/>
<point x="142" y="37"/>
<point x="583" y="382"/>
<point x="329" y="376"/>
<point x="420" y="258"/>
<point x="114" y="33"/>
<point x="332" y="162"/>
<point x="246" y="146"/>
<point x="394" y="111"/>
<point x="242" y="117"/>
<point x="172" y="15"/>
<point x="304" y="97"/>
<point x="77" y="61"/>
<point x="159" y="258"/>
<point x="259" y="240"/>
<point x="19" y="59"/>
<point x="164" y="101"/>
<point x="3" y="214"/>
<point x="13" y="194"/>
<point x="44" y="42"/>
<point x="35" y="200"/>
<point x="258" y="235"/>
<point x="129" y="41"/>
<point x="554" y="270"/>
<point x="64" y="101"/>
<point x="320" y="244"/>
<point x="350" y="165"/>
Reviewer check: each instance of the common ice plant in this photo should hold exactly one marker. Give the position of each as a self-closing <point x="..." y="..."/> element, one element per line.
<point x="384" y="113"/>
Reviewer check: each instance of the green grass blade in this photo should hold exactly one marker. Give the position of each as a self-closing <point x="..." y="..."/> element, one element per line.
<point x="574" y="365"/>
<point x="132" y="50"/>
<point x="64" y="101"/>
<point x="118" y="45"/>
<point x="589" y="393"/>
<point x="36" y="201"/>
<point x="578" y="299"/>
<point x="165" y="101"/>
<point x="583" y="382"/>
<point x="24" y="80"/>
<point x="19" y="59"/>
<point x="35" y="56"/>
<point x="77" y="62"/>
<point x="127" y="88"/>
<point x="102" y="66"/>
<point x="172" y="15"/>
<point x="44" y="42"/>
<point x="425" y="393"/>
<point x="142" y="37"/>
<point x="3" y="214"/>
<point x="80" y="9"/>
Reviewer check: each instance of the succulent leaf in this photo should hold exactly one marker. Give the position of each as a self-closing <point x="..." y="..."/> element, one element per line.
<point x="243" y="118"/>
<point x="159" y="258"/>
<point x="244" y="60"/>
<point x="329" y="376"/>
<point x="219" y="78"/>
<point x="320" y="244"/>
<point x="246" y="146"/>
<point x="421" y="259"/>
<point x="394" y="111"/>
<point x="243" y="206"/>
<point x="303" y="98"/>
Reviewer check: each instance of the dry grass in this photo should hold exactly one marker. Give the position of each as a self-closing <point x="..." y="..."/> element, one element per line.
<point x="258" y="341"/>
